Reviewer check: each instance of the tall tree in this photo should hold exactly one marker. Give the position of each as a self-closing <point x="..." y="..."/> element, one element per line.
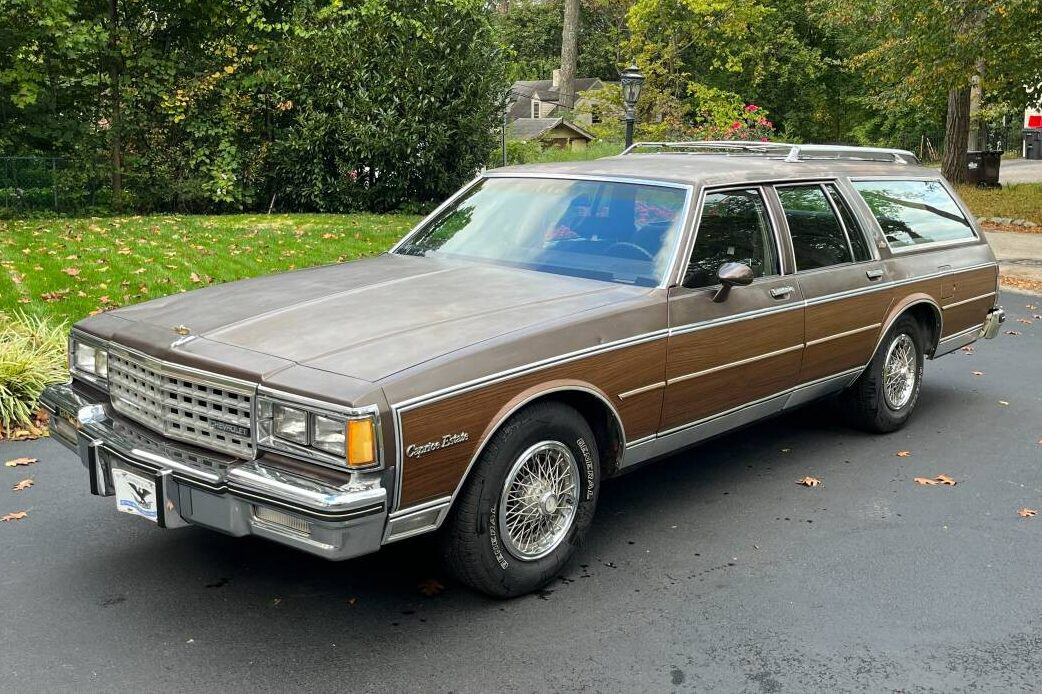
<point x="912" y="49"/>
<point x="569" y="53"/>
<point x="115" y="121"/>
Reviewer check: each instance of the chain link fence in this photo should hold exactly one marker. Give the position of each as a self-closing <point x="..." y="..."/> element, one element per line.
<point x="49" y="184"/>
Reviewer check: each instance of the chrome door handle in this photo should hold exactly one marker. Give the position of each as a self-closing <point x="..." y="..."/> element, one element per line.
<point x="873" y="274"/>
<point x="781" y="292"/>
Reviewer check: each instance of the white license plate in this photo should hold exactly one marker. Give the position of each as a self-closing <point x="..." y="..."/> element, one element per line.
<point x="135" y="494"/>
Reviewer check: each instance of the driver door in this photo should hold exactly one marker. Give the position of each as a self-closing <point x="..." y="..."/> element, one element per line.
<point x="744" y="347"/>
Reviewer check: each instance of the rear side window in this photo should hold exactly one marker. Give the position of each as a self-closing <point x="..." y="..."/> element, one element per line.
<point x="734" y="228"/>
<point x="912" y="213"/>
<point x="818" y="239"/>
<point x="855" y="233"/>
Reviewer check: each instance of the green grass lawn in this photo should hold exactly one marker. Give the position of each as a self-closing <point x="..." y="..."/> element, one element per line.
<point x="66" y="268"/>
<point x="1020" y="201"/>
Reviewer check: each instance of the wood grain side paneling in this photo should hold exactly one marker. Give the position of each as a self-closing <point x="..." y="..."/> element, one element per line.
<point x="968" y="285"/>
<point x="436" y="474"/>
<point x="696" y="398"/>
<point x="710" y="347"/>
<point x="829" y="350"/>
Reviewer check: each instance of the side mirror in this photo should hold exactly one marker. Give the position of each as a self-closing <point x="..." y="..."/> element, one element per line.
<point x="732" y="275"/>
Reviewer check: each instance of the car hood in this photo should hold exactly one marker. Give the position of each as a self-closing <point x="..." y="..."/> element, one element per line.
<point x="372" y="318"/>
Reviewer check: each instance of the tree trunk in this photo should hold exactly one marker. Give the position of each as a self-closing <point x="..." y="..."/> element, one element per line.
<point x="956" y="130"/>
<point x="569" y="53"/>
<point x="504" y="6"/>
<point x="114" y="118"/>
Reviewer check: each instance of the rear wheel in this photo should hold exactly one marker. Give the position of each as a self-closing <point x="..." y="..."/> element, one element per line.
<point x="885" y="395"/>
<point x="527" y="504"/>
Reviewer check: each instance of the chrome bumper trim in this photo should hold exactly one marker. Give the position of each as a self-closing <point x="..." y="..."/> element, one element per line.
<point x="996" y="317"/>
<point x="345" y="521"/>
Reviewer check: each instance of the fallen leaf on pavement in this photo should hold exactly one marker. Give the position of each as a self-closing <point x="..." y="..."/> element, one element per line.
<point x="1027" y="513"/>
<point x="1003" y="402"/>
<point x="1025" y="321"/>
<point x="978" y="373"/>
<point x="809" y="481"/>
<point x="944" y="480"/>
<point x="904" y="454"/>
<point x="1012" y="332"/>
<point x="24" y="484"/>
<point x="431" y="587"/>
<point x="13" y="516"/>
<point x="15" y="462"/>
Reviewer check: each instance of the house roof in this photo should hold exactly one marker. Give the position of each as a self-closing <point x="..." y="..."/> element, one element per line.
<point x="534" y="128"/>
<point x="524" y="90"/>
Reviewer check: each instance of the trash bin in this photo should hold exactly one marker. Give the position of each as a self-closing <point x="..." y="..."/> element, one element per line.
<point x="983" y="167"/>
<point x="1033" y="143"/>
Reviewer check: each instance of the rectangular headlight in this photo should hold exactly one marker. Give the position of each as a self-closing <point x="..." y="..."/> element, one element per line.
<point x="290" y="423"/>
<point x="90" y="359"/>
<point x="329" y="435"/>
<point x="347" y="438"/>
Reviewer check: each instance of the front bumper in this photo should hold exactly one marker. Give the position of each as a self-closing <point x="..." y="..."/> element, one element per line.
<point x="333" y="518"/>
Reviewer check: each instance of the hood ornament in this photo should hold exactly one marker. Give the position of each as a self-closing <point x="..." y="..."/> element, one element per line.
<point x="182" y="330"/>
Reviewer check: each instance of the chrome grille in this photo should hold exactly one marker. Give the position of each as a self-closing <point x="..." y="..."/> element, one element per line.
<point x="184" y="405"/>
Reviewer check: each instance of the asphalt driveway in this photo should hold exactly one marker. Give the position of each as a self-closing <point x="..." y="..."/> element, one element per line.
<point x="1020" y="171"/>
<point x="712" y="570"/>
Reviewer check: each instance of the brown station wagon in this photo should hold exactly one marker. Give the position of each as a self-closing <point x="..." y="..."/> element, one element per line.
<point x="545" y="328"/>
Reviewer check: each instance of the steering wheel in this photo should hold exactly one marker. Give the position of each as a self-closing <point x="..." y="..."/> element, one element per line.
<point x="627" y="244"/>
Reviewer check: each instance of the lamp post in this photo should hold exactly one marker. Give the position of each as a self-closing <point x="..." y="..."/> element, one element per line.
<point x="632" y="80"/>
<point x="506" y="115"/>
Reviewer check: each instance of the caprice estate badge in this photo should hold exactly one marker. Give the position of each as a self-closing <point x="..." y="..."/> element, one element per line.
<point x="415" y="451"/>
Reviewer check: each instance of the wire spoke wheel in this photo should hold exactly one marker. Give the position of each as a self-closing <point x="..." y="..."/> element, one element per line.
<point x="899" y="371"/>
<point x="539" y="500"/>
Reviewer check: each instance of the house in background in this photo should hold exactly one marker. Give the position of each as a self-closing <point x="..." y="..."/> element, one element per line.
<point x="550" y="132"/>
<point x="540" y="99"/>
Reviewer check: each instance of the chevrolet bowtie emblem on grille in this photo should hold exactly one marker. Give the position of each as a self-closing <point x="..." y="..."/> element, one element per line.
<point x="182" y="330"/>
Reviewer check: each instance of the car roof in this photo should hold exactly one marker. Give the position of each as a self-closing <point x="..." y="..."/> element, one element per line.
<point x="718" y="169"/>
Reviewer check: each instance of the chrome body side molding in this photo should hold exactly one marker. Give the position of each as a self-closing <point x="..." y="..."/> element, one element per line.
<point x="674" y="440"/>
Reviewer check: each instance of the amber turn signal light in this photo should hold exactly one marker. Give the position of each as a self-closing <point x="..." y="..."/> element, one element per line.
<point x="361" y="444"/>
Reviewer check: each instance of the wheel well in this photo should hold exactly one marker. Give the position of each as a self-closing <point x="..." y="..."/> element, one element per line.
<point x="602" y="420"/>
<point x="930" y="319"/>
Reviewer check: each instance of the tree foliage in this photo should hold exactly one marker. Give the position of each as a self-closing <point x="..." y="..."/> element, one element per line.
<point x="230" y="104"/>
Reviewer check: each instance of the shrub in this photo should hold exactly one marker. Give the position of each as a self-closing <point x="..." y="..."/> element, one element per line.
<point x="32" y="355"/>
<point x="386" y="102"/>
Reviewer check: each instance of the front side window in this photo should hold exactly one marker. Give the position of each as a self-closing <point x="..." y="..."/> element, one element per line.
<point x="912" y="213"/>
<point x="612" y="231"/>
<point x="818" y="239"/>
<point x="734" y="228"/>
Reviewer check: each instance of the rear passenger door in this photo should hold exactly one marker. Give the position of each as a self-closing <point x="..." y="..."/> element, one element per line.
<point x="840" y="275"/>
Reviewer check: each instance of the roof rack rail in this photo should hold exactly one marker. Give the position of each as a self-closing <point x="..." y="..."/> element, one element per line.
<point x="790" y="152"/>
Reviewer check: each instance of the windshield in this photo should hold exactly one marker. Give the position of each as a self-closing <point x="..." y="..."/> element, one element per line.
<point x="617" y="232"/>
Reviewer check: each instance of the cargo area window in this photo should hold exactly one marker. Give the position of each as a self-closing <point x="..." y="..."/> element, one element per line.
<point x="818" y="238"/>
<point x="913" y="213"/>
<point x="734" y="228"/>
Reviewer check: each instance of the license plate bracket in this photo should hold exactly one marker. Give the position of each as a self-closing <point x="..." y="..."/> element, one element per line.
<point x="135" y="494"/>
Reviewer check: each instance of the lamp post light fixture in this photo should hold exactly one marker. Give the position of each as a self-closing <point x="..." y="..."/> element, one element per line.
<point x="632" y="80"/>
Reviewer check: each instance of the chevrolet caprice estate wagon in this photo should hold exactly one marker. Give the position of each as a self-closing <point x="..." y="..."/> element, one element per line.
<point x="545" y="328"/>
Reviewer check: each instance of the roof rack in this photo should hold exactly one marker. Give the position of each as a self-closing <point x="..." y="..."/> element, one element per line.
<point x="788" y="151"/>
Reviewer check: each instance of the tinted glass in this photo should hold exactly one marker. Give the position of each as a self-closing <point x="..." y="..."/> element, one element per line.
<point x="914" y="212"/>
<point x="618" y="232"/>
<point x="818" y="239"/>
<point x="854" y="231"/>
<point x="734" y="229"/>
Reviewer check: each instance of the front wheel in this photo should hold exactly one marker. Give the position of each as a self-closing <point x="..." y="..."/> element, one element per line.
<point x="527" y="504"/>
<point x="884" y="396"/>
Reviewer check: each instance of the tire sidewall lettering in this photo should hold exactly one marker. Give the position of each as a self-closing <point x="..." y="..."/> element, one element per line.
<point x="493" y="537"/>
<point x="584" y="448"/>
